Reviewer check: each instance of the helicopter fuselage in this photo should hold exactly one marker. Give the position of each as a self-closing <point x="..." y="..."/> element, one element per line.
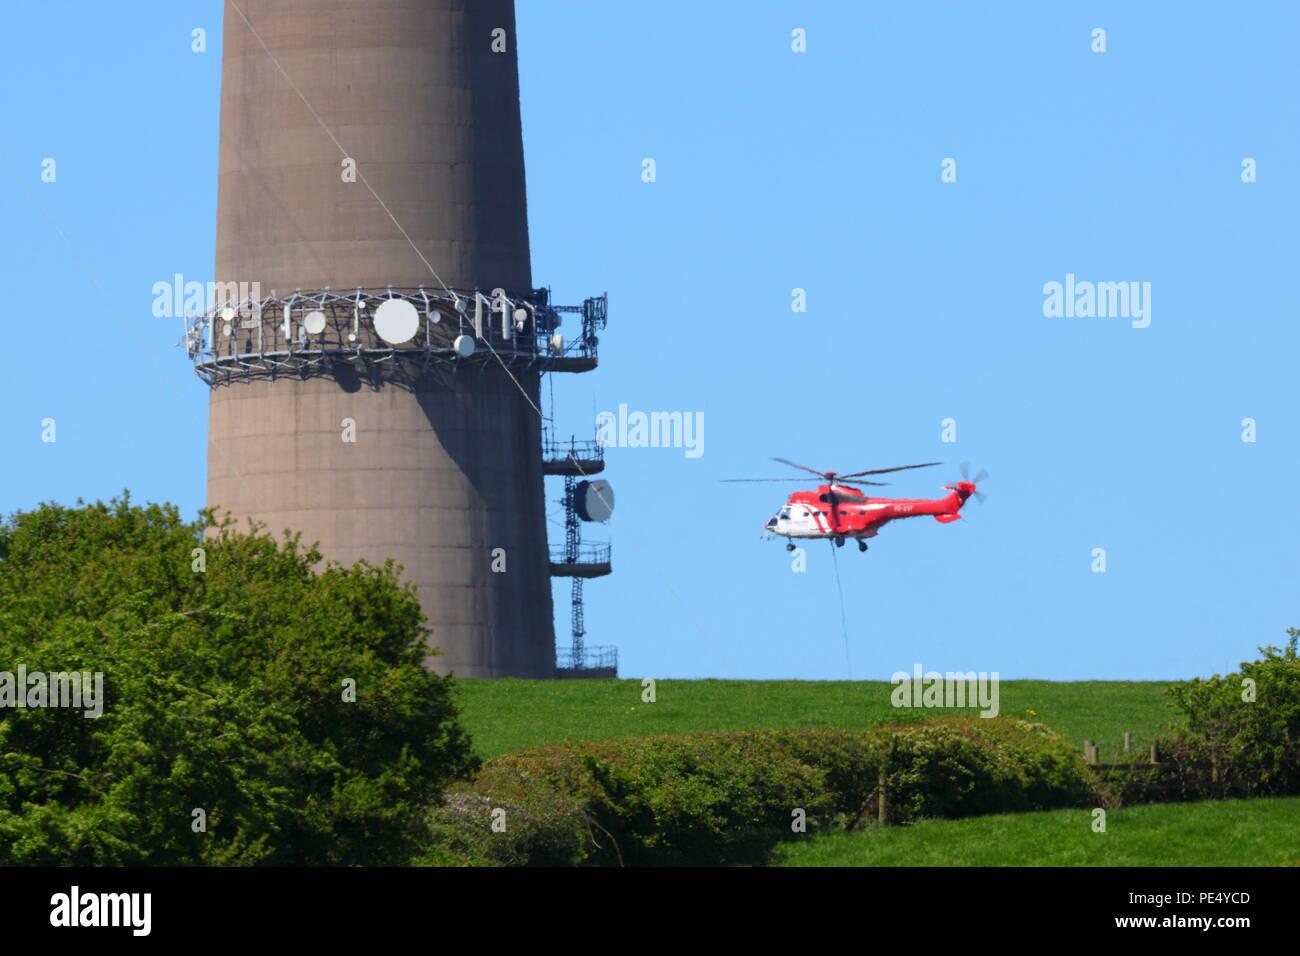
<point x="841" y="511"/>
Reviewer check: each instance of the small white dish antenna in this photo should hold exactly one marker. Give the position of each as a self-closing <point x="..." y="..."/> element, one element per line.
<point x="314" y="322"/>
<point x="557" y="343"/>
<point x="433" y="315"/>
<point x="463" y="346"/>
<point x="227" y="313"/>
<point x="396" y="321"/>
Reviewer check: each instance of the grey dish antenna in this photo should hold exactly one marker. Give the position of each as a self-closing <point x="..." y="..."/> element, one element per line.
<point x="594" y="500"/>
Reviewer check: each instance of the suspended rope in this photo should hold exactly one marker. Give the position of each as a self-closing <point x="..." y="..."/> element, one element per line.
<point x="844" y="620"/>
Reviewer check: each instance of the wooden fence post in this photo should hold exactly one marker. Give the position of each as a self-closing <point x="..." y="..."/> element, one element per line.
<point x="1090" y="751"/>
<point x="880" y="790"/>
<point x="1128" y="741"/>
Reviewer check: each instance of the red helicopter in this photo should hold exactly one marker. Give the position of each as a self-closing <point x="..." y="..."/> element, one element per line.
<point x="840" y="510"/>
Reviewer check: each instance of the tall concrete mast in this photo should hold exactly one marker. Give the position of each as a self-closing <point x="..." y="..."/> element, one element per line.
<point x="361" y="396"/>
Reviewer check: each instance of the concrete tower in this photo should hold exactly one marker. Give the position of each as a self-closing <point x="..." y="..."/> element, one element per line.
<point x="325" y="106"/>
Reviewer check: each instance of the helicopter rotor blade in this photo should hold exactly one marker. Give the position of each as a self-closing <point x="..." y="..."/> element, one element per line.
<point x="811" y="471"/>
<point x="804" y="481"/>
<point x="965" y="474"/>
<point x="801" y="481"/>
<point x="858" y="481"/>
<point x="881" y="471"/>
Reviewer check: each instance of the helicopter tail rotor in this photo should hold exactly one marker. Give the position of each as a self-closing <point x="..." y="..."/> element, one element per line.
<point x="971" y="483"/>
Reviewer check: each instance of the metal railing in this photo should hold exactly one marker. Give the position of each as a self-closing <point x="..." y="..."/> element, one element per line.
<point x="587" y="554"/>
<point x="553" y="450"/>
<point x="307" y="328"/>
<point x="598" y="657"/>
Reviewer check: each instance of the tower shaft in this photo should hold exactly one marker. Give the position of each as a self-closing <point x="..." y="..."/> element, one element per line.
<point x="445" y="466"/>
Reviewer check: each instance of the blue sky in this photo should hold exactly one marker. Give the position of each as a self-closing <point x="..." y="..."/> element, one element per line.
<point x="779" y="170"/>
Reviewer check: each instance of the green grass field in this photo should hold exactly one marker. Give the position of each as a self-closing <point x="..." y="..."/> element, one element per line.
<point x="1213" y="833"/>
<point x="505" y="715"/>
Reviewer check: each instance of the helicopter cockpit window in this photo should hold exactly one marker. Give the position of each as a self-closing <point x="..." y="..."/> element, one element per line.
<point x="785" y="513"/>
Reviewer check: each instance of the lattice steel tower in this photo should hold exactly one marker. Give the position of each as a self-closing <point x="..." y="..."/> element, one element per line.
<point x="356" y="396"/>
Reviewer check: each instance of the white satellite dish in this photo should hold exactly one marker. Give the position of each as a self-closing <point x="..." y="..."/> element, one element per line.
<point x="314" y="322"/>
<point x="464" y="346"/>
<point x="594" y="500"/>
<point x="396" y="321"/>
<point x="227" y="313"/>
<point x="557" y="343"/>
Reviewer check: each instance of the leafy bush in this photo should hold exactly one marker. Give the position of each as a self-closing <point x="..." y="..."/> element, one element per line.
<point x="224" y="692"/>
<point x="849" y="764"/>
<point x="970" y="766"/>
<point x="670" y="799"/>
<point x="546" y="829"/>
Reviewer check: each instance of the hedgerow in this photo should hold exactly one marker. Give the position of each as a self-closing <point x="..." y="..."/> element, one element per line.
<point x="727" y="798"/>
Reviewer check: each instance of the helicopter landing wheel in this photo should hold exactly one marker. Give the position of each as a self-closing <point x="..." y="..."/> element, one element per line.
<point x="862" y="545"/>
<point x="839" y="541"/>
<point x="790" y="546"/>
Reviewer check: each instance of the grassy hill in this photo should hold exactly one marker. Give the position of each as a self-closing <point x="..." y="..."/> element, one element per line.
<point x="504" y="715"/>
<point x="1214" y="833"/>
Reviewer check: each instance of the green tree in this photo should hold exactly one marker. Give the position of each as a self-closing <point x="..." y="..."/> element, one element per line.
<point x="1248" y="723"/>
<point x="224" y="692"/>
